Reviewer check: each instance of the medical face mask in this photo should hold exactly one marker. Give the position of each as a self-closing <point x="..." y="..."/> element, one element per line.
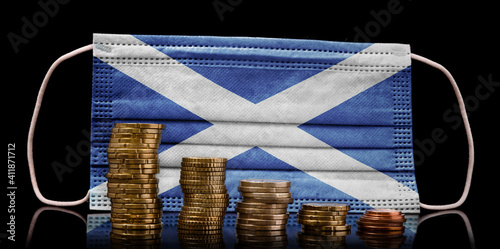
<point x="334" y="118"/>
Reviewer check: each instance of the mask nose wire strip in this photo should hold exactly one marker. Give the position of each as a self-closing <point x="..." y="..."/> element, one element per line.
<point x="468" y="132"/>
<point x="31" y="133"/>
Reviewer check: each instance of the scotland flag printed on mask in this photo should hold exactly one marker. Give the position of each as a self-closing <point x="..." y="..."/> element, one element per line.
<point x="334" y="118"/>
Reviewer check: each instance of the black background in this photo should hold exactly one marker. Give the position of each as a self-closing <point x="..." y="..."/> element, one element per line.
<point x="462" y="36"/>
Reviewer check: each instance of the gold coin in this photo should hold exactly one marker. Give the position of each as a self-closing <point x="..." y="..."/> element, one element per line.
<point x="198" y="232"/>
<point x="131" y="156"/>
<point x="203" y="178"/>
<point x="135" y="130"/>
<point x="329" y="235"/>
<point x="207" y="196"/>
<point x="129" y="236"/>
<point x="206" y="204"/>
<point x="260" y="227"/>
<point x="200" y="222"/>
<point x="132" y="185"/>
<point x="205" y="159"/>
<point x="325" y="206"/>
<point x="321" y="217"/>
<point x="241" y="204"/>
<point x="266" y="183"/>
<point x="133" y="190"/>
<point x="261" y="221"/>
<point x="204" y="191"/>
<point x="203" y="209"/>
<point x="201" y="218"/>
<point x="134" y="145"/>
<point x="133" y="166"/>
<point x="199" y="227"/>
<point x="261" y="210"/>
<point x="262" y="189"/>
<point x="218" y="186"/>
<point x="134" y="205"/>
<point x="138" y="232"/>
<point x="135" y="221"/>
<point x="264" y="216"/>
<point x="327" y="228"/>
<point x="135" y="140"/>
<point x="136" y="226"/>
<point x="134" y="161"/>
<point x="268" y="200"/>
<point x="260" y="232"/>
<point x="136" y="216"/>
<point x="131" y="196"/>
<point x="266" y="195"/>
<point x="322" y="213"/>
<point x="129" y="176"/>
<point x="253" y="238"/>
<point x="205" y="200"/>
<point x="207" y="169"/>
<point x="137" y="201"/>
<point x="134" y="171"/>
<point x="136" y="211"/>
<point x="204" y="213"/>
<point x="203" y="173"/>
<point x="135" y="181"/>
<point x="131" y="151"/>
<point x="140" y="125"/>
<point x="135" y="135"/>
<point x="134" y="243"/>
<point x="321" y="222"/>
<point x="204" y="165"/>
<point x="200" y="182"/>
<point x="304" y="237"/>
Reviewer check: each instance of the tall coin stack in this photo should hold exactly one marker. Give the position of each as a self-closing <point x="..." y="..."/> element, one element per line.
<point x="205" y="202"/>
<point x="136" y="210"/>
<point x="382" y="228"/>
<point x="262" y="215"/>
<point x="323" y="223"/>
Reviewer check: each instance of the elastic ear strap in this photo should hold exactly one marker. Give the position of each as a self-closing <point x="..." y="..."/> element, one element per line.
<point x="31" y="133"/>
<point x="468" y="132"/>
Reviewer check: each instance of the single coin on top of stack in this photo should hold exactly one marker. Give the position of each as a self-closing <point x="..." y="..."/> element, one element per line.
<point x="136" y="210"/>
<point x="323" y="221"/>
<point x="205" y="202"/>
<point x="382" y="228"/>
<point x="262" y="215"/>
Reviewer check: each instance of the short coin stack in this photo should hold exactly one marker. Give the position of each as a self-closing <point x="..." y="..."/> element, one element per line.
<point x="382" y="228"/>
<point x="205" y="202"/>
<point x="136" y="210"/>
<point x="262" y="215"/>
<point x="323" y="221"/>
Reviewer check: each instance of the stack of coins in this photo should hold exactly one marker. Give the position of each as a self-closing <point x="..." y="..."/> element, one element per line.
<point x="382" y="228"/>
<point x="262" y="215"/>
<point x="205" y="202"/>
<point x="323" y="221"/>
<point x="136" y="210"/>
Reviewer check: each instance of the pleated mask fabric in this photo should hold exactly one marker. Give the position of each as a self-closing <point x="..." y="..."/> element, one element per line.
<point x="334" y="118"/>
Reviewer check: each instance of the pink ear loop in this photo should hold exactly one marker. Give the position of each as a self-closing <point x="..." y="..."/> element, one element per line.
<point x="468" y="132"/>
<point x="84" y="199"/>
<point x="31" y="133"/>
